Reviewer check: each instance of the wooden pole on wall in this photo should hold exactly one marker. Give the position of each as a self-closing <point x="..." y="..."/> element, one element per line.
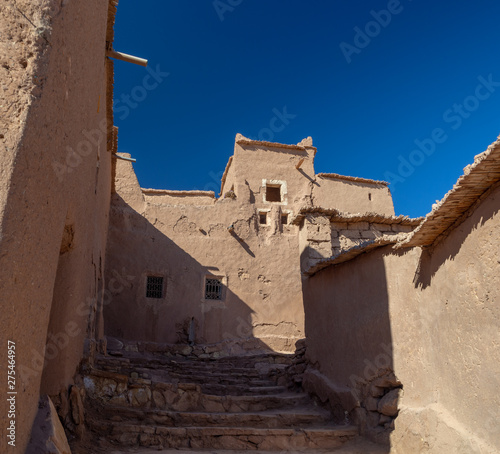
<point x="125" y="57"/>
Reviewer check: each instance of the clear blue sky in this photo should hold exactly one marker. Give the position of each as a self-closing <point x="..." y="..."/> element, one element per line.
<point x="365" y="79"/>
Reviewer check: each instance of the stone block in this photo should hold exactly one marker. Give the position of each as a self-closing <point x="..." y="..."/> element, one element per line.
<point x="376" y="391"/>
<point x="388" y="405"/>
<point x="338" y="225"/>
<point x="369" y="234"/>
<point x="384" y="420"/>
<point x="354" y="234"/>
<point x="358" y="226"/>
<point x="402" y="228"/>
<point x="371" y="403"/>
<point x="139" y="397"/>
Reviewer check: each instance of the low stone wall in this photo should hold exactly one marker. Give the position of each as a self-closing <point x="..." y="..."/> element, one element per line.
<point x="323" y="238"/>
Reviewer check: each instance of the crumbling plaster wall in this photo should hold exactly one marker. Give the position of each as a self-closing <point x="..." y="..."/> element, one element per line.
<point x="322" y="238"/>
<point x="431" y="317"/>
<point x="53" y="202"/>
<point x="184" y="242"/>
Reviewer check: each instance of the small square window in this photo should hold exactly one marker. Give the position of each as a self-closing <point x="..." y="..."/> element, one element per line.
<point x="263" y="217"/>
<point x="154" y="287"/>
<point x="284" y="218"/>
<point x="273" y="193"/>
<point x="213" y="288"/>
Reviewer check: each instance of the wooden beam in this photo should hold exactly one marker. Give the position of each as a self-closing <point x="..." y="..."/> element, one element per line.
<point x="125" y="57"/>
<point x="299" y="164"/>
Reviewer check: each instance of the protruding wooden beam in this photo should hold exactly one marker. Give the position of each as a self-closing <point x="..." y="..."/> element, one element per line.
<point x="299" y="163"/>
<point x="125" y="57"/>
<point x="124" y="158"/>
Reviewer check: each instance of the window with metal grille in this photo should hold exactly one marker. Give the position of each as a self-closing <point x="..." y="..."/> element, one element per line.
<point x="213" y="288"/>
<point x="154" y="287"/>
<point x="262" y="217"/>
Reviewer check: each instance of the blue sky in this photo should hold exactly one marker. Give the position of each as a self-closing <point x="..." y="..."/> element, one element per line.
<point x="400" y="90"/>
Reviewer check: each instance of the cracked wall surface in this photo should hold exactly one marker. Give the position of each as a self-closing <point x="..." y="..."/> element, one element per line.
<point x="186" y="236"/>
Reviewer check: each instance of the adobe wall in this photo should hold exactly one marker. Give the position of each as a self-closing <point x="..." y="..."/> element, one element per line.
<point x="429" y="316"/>
<point x="254" y="162"/>
<point x="322" y="237"/>
<point x="187" y="240"/>
<point x="53" y="201"/>
<point x="352" y="195"/>
<point x="186" y="236"/>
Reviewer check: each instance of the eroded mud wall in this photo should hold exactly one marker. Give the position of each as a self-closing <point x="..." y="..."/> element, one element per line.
<point x="54" y="191"/>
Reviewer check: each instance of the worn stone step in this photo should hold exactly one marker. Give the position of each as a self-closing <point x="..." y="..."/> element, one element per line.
<point x="223" y="438"/>
<point x="296" y="417"/>
<point x="240" y="390"/>
<point x="199" y="377"/>
<point x="186" y="368"/>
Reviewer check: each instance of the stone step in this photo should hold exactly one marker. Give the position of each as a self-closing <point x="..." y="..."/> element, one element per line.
<point x="245" y="361"/>
<point x="187" y="368"/>
<point x="196" y="377"/>
<point x="291" y="418"/>
<point x="235" y="404"/>
<point x="240" y="390"/>
<point x="223" y="438"/>
<point x="205" y="376"/>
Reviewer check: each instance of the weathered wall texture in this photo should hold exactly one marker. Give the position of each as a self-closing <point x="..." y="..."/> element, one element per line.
<point x="186" y="236"/>
<point x="325" y="237"/>
<point x="54" y="192"/>
<point x="429" y="316"/>
<point x="352" y="195"/>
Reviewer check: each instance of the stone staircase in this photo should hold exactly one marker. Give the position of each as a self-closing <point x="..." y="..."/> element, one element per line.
<point x="150" y="401"/>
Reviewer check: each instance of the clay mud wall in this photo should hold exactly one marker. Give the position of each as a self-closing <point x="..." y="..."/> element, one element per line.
<point x="54" y="194"/>
<point x="406" y="341"/>
<point x="352" y="195"/>
<point x="185" y="238"/>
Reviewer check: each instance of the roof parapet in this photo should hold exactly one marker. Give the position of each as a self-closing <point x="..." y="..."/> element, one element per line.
<point x="336" y="176"/>
<point x="194" y="193"/>
<point x="339" y="216"/>
<point x="477" y="179"/>
<point x="305" y="144"/>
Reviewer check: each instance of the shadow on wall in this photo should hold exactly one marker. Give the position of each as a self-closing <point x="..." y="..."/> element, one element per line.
<point x="349" y="344"/>
<point x="434" y="257"/>
<point x="138" y="249"/>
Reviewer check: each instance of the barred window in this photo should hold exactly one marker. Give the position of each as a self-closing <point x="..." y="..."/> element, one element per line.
<point x="154" y="287"/>
<point x="213" y="289"/>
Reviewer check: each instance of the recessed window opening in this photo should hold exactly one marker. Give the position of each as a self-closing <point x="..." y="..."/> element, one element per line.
<point x="273" y="192"/>
<point x="154" y="287"/>
<point x="262" y="217"/>
<point x="284" y="218"/>
<point x="213" y="288"/>
<point x="369" y="196"/>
